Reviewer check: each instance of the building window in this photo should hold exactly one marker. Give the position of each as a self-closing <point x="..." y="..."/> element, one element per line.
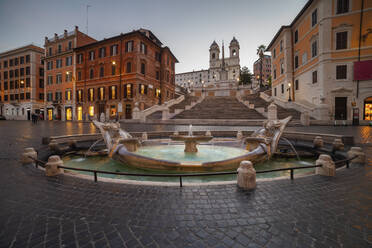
<point x="296" y="84"/>
<point x="22" y="60"/>
<point x="91" y="55"/>
<point x="58" y="63"/>
<point x="80" y="95"/>
<point x="50" y="79"/>
<point x="101" y="71"/>
<point x="275" y="91"/>
<point x="341" y="40"/>
<point x="315" y="77"/>
<point x="112" y="92"/>
<point x="91" y="94"/>
<point x="114" y="50"/>
<point x="143" y="48"/>
<point x="129" y="67"/>
<point x="157" y="56"/>
<point x="28" y="95"/>
<point x="41" y="83"/>
<point x="158" y="75"/>
<point x="27" y="70"/>
<point x="101" y="94"/>
<point x="281" y="45"/>
<point x="281" y="68"/>
<point x="79" y="75"/>
<point x="113" y="70"/>
<point x="304" y="58"/>
<point x="68" y="61"/>
<point x="157" y="93"/>
<point x="68" y="76"/>
<point x="282" y="85"/>
<point x="296" y="36"/>
<point x="128" y="90"/>
<point x="314" y="17"/>
<point x="342" y="6"/>
<point x="314" y="49"/>
<point x="296" y="62"/>
<point x="143" y="68"/>
<point x="102" y="52"/>
<point x="274" y="73"/>
<point x="58" y="78"/>
<point x="129" y="46"/>
<point x="142" y="89"/>
<point x="68" y="95"/>
<point x="28" y="82"/>
<point x="91" y="111"/>
<point x="50" y="53"/>
<point x="69" y="45"/>
<point x="274" y="53"/>
<point x="58" y="95"/>
<point x="341" y="72"/>
<point x="41" y="96"/>
<point x="91" y="73"/>
<point x="59" y="48"/>
<point x="16" y="61"/>
<point x="80" y="58"/>
<point x="50" y="65"/>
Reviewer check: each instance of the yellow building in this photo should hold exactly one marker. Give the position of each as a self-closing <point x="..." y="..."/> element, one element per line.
<point x="315" y="60"/>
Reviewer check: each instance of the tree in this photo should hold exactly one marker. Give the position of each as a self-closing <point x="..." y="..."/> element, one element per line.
<point x="245" y="76"/>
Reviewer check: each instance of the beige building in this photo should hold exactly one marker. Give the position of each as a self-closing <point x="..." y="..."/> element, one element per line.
<point x="21" y="82"/>
<point x="315" y="60"/>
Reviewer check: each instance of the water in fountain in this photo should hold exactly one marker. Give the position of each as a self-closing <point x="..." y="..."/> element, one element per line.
<point x="90" y="148"/>
<point x="292" y="147"/>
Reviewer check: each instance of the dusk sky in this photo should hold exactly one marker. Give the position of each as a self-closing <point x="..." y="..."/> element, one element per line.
<point x="188" y="27"/>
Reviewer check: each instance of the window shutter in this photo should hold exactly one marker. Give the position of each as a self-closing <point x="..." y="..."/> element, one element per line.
<point x="139" y="88"/>
<point x="131" y="90"/>
<point x="125" y="90"/>
<point x="145" y="89"/>
<point x="66" y="95"/>
<point x="116" y="92"/>
<point x="126" y="46"/>
<point x="110" y="93"/>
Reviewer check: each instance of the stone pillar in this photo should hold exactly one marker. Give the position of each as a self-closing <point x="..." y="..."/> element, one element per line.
<point x="28" y="156"/>
<point x="272" y="112"/>
<point x="246" y="175"/>
<point x="356" y="151"/>
<point x="337" y="145"/>
<point x="165" y="114"/>
<point x="51" y="168"/>
<point x="239" y="135"/>
<point x="136" y="112"/>
<point x="328" y="166"/>
<point x="305" y="118"/>
<point x="318" y="142"/>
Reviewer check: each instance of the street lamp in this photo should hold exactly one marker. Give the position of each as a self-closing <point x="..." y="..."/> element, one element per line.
<point x="289" y="92"/>
<point x="113" y="63"/>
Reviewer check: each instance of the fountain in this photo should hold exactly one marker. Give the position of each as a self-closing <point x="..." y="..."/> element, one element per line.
<point x="124" y="148"/>
<point x="190" y="140"/>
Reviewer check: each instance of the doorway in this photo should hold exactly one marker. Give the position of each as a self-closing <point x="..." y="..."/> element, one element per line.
<point x="69" y="114"/>
<point x="340" y="108"/>
<point x="28" y="114"/>
<point x="79" y="113"/>
<point x="128" y="111"/>
<point x="50" y="114"/>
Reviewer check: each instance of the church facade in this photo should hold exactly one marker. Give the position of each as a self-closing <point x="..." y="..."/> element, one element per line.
<point x="217" y="63"/>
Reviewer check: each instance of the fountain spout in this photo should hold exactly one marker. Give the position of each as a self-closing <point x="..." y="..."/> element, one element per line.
<point x="190" y="130"/>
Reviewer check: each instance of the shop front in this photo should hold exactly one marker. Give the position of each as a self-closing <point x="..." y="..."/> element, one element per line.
<point x="68" y="111"/>
<point x="368" y="109"/>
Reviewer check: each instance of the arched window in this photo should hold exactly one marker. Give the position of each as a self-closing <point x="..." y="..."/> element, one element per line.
<point x="234" y="52"/>
<point x="101" y="71"/>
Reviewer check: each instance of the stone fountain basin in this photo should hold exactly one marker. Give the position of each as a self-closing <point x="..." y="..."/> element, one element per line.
<point x="146" y="162"/>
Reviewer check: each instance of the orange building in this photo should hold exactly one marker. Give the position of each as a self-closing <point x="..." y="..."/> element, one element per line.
<point x="59" y="71"/>
<point x="266" y="69"/>
<point x="115" y="73"/>
<point x="323" y="59"/>
<point x="21" y="82"/>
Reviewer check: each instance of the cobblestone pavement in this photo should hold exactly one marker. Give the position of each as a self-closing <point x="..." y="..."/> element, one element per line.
<point x="36" y="211"/>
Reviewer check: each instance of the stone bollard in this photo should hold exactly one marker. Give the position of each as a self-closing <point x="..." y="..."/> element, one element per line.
<point x="239" y="135"/>
<point x="208" y="133"/>
<point x="144" y="136"/>
<point x="356" y="151"/>
<point x="318" y="142"/>
<point x="337" y="145"/>
<point x="51" y="167"/>
<point x="246" y="175"/>
<point x="328" y="166"/>
<point x="272" y="112"/>
<point x="28" y="152"/>
<point x="305" y="118"/>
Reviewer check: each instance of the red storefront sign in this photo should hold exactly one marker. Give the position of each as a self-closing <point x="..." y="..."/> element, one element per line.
<point x="363" y="70"/>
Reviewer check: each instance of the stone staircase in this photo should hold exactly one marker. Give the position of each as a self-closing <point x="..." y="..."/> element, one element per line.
<point x="219" y="108"/>
<point x="261" y="103"/>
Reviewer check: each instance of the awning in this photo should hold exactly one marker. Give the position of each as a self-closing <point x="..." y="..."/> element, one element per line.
<point x="363" y="70"/>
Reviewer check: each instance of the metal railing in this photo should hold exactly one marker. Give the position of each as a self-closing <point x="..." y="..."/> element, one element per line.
<point x="180" y="176"/>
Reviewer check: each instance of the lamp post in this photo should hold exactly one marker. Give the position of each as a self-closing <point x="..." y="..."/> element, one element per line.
<point x="289" y="92"/>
